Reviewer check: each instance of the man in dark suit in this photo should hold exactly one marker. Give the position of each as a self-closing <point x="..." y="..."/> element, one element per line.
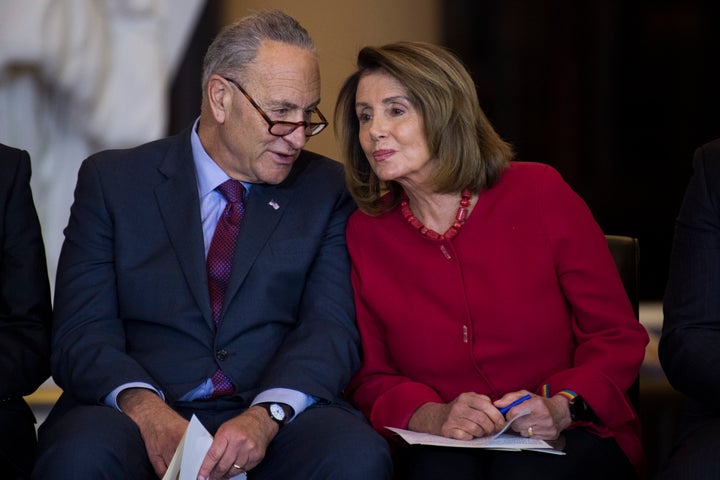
<point x="24" y="314"/>
<point x="147" y="323"/>
<point x="690" y="343"/>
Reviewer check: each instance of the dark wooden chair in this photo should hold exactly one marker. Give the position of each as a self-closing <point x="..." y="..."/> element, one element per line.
<point x="626" y="253"/>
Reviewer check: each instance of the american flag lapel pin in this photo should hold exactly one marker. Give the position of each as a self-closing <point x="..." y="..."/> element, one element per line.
<point x="273" y="204"/>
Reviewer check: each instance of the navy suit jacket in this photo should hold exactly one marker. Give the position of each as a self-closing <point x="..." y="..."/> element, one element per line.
<point x="132" y="300"/>
<point x="690" y="344"/>
<point x="24" y="313"/>
<point x="24" y="286"/>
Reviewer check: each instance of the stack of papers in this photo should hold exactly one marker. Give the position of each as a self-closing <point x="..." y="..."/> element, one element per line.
<point x="498" y="441"/>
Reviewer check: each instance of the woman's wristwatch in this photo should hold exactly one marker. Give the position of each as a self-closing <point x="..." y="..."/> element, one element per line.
<point x="580" y="411"/>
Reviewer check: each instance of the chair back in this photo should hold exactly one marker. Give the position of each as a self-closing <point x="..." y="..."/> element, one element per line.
<point x="626" y="253"/>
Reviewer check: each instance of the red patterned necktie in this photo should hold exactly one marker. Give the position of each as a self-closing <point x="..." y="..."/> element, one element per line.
<point x="219" y="263"/>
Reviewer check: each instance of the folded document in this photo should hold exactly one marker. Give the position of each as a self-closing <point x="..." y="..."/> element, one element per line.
<point x="190" y="453"/>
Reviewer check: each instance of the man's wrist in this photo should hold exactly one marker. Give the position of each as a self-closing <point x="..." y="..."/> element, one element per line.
<point x="278" y="412"/>
<point x="130" y="397"/>
<point x="111" y="399"/>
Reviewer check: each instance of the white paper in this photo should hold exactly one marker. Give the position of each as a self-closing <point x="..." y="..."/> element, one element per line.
<point x="190" y="453"/>
<point x="498" y="441"/>
<point x="173" y="471"/>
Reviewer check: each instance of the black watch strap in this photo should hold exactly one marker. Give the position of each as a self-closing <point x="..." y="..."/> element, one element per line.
<point x="580" y="411"/>
<point x="279" y="413"/>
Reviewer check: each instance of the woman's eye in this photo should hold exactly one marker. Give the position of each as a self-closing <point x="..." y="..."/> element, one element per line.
<point x="364" y="117"/>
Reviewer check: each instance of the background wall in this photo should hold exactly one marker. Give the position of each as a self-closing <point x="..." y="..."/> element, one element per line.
<point x="615" y="94"/>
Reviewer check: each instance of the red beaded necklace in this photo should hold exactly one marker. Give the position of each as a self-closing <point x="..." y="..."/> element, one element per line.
<point x="460" y="217"/>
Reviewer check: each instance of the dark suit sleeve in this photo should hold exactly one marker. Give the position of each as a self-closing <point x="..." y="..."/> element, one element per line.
<point x="89" y="356"/>
<point x="690" y="344"/>
<point x="24" y="287"/>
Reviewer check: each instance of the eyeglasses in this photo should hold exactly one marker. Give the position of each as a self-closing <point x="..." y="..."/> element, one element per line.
<point x="281" y="128"/>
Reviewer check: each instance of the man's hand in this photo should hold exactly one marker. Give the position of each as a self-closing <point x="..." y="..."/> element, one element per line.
<point x="160" y="426"/>
<point x="239" y="442"/>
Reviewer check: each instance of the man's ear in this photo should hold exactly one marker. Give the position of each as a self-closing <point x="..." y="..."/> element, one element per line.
<point x="219" y="97"/>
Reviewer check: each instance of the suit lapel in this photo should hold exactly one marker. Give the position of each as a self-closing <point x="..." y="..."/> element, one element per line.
<point x="265" y="207"/>
<point x="179" y="205"/>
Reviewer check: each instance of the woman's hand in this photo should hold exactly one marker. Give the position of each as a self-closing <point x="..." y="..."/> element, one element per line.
<point x="470" y="415"/>
<point x="548" y="417"/>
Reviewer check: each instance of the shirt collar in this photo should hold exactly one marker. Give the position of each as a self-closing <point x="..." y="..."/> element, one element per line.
<point x="209" y="174"/>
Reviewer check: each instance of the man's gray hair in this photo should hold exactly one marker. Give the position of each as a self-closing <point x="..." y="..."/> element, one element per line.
<point x="237" y="44"/>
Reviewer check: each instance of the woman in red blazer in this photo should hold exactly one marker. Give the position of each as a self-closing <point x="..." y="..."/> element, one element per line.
<point x="477" y="282"/>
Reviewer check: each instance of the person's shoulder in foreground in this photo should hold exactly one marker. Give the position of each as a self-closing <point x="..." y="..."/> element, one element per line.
<point x="690" y="337"/>
<point x="25" y="311"/>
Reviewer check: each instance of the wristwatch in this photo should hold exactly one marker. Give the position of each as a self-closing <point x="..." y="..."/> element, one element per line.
<point x="279" y="413"/>
<point x="580" y="411"/>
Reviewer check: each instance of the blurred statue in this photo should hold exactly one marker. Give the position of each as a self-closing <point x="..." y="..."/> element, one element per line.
<point x="77" y="76"/>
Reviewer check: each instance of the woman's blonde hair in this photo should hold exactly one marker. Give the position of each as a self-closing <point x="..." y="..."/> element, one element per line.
<point x="470" y="153"/>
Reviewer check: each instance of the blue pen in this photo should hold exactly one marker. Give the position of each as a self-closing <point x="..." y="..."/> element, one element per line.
<point x="504" y="410"/>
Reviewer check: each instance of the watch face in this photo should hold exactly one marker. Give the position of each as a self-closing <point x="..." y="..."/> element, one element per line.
<point x="277" y="412"/>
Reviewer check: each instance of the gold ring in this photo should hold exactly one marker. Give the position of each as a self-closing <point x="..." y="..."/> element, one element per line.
<point x="530" y="432"/>
<point x="235" y="465"/>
